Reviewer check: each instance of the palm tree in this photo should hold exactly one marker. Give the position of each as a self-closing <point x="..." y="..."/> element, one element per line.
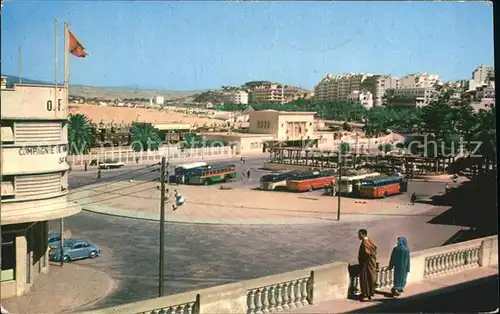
<point x="144" y="137"/>
<point x="81" y="134"/>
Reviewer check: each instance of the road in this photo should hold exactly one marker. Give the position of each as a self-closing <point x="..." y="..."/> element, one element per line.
<point x="199" y="256"/>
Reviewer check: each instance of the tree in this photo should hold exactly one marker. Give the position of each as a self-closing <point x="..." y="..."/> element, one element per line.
<point x="344" y="148"/>
<point x="144" y="137"/>
<point x="81" y="134"/>
<point x="438" y="119"/>
<point x="385" y="148"/>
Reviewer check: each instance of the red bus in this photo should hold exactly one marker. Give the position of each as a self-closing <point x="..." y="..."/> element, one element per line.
<point x="308" y="181"/>
<point x="383" y="187"/>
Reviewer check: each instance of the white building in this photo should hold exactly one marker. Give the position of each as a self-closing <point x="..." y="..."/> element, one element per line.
<point x="418" y="80"/>
<point x="482" y="75"/>
<point x="159" y="100"/>
<point x="363" y="98"/>
<point x="410" y="96"/>
<point x="235" y="97"/>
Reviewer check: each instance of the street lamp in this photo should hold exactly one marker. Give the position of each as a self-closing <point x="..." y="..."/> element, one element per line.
<point x="340" y="178"/>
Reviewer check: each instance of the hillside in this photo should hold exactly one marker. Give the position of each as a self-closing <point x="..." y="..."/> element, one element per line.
<point x="123" y="93"/>
<point x="107" y="92"/>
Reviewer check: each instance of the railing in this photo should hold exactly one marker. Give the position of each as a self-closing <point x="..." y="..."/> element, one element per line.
<point x="305" y="287"/>
<point x="151" y="156"/>
<point x="281" y="296"/>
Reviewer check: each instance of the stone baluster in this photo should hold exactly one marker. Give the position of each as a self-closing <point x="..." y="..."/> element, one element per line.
<point x="180" y="309"/>
<point x="476" y="255"/>
<point x="278" y="297"/>
<point x="357" y="288"/>
<point x="189" y="309"/>
<point x="284" y="294"/>
<point x="291" y="295"/>
<point x="272" y="298"/>
<point x="258" y="301"/>
<point x="391" y="277"/>
<point x="298" y="292"/>
<point x="251" y="301"/>
<point x="428" y="267"/>
<point x="304" y="291"/>
<point x="265" y="301"/>
<point x="441" y="263"/>
<point x="447" y="258"/>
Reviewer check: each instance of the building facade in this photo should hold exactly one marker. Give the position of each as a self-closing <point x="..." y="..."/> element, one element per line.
<point x="34" y="179"/>
<point x="235" y="97"/>
<point x="339" y="87"/>
<point x="285" y="126"/>
<point x="273" y="93"/>
<point x="159" y="100"/>
<point x="483" y="74"/>
<point x="378" y="85"/>
<point x="363" y="98"/>
<point x="410" y="97"/>
<point x="418" y="80"/>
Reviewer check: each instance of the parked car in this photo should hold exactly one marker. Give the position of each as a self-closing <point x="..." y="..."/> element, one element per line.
<point x="75" y="249"/>
<point x="54" y="239"/>
<point x="109" y="164"/>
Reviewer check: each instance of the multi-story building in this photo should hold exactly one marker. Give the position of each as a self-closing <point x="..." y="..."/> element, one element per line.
<point x="34" y="179"/>
<point x="378" y="85"/>
<point x="417" y="80"/>
<point x="363" y="98"/>
<point x="482" y="75"/>
<point x="235" y="97"/>
<point x="159" y="100"/>
<point x="339" y="87"/>
<point x="410" y="96"/>
<point x="273" y="93"/>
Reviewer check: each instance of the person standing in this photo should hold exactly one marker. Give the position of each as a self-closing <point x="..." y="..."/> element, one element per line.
<point x="248" y="174"/>
<point x="400" y="262"/>
<point x="99" y="174"/>
<point x="413" y="198"/>
<point x="86" y="165"/>
<point x="367" y="259"/>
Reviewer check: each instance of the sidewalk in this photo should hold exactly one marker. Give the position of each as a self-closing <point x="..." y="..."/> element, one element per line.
<point x="64" y="289"/>
<point x="421" y="290"/>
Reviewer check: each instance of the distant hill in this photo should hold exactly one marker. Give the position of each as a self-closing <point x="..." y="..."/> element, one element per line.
<point x="107" y="92"/>
<point x="123" y="93"/>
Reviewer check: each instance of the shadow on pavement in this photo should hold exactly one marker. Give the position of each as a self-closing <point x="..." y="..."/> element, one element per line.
<point x="472" y="204"/>
<point x="475" y="296"/>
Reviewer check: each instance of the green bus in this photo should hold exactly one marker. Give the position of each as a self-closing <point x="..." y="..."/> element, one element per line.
<point x="211" y="174"/>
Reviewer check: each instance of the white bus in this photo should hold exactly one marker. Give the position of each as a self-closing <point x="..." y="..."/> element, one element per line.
<point x="350" y="184"/>
<point x="179" y="172"/>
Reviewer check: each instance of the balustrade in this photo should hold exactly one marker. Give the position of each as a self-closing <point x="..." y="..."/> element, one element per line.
<point x="451" y="261"/>
<point x="185" y="308"/>
<point x="282" y="296"/>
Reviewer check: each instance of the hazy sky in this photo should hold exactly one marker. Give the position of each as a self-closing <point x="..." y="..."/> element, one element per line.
<point x="198" y="45"/>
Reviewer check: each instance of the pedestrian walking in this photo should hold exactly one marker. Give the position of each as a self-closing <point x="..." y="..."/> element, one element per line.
<point x="446" y="188"/>
<point x="86" y="165"/>
<point x="179" y="200"/>
<point x="400" y="262"/>
<point x="136" y="160"/>
<point x="413" y="198"/>
<point x="367" y="259"/>
<point x="243" y="174"/>
<point x="248" y="174"/>
<point x="99" y="174"/>
<point x="241" y="160"/>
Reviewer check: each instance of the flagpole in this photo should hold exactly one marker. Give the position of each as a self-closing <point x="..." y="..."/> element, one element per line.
<point x="56" y="60"/>
<point x="20" y="60"/>
<point x="66" y="56"/>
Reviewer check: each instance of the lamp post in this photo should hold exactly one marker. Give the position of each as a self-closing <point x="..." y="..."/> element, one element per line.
<point x="340" y="179"/>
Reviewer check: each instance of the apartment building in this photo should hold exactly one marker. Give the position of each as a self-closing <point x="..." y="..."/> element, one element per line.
<point x="273" y="93"/>
<point x="159" y="100"/>
<point x="34" y="179"/>
<point x="339" y="87"/>
<point x="235" y="97"/>
<point x="418" y="80"/>
<point x="363" y="98"/>
<point x="483" y="74"/>
<point x="410" y="96"/>
<point x="378" y="85"/>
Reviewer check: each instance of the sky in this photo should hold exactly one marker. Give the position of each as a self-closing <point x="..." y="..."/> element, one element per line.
<point x="196" y="45"/>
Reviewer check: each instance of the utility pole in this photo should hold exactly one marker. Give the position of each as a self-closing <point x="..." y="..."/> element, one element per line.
<point x="340" y="178"/>
<point x="62" y="241"/>
<point x="162" y="230"/>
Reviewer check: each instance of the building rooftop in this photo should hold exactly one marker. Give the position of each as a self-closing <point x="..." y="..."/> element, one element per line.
<point x="289" y="113"/>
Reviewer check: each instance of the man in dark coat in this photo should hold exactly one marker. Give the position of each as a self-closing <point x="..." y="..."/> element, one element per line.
<point x="367" y="259"/>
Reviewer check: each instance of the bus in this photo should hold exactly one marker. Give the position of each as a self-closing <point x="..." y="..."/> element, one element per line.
<point x="349" y="185"/>
<point x="308" y="181"/>
<point x="383" y="187"/>
<point x="180" y="171"/>
<point x="210" y="174"/>
<point x="276" y="181"/>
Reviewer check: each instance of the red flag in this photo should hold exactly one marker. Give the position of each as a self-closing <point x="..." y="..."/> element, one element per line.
<point x="75" y="47"/>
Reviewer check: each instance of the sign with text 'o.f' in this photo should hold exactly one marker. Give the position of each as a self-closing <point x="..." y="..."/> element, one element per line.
<point x="33" y="159"/>
<point x="54" y="107"/>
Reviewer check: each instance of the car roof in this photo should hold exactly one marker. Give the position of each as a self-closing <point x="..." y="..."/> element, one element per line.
<point x="54" y="234"/>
